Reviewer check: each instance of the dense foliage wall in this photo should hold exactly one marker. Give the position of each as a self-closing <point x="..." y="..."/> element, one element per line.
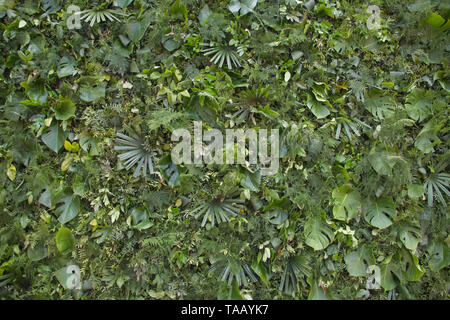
<point x="88" y="103"/>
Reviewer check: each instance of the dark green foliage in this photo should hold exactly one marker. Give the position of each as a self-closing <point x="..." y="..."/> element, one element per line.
<point x="357" y="210"/>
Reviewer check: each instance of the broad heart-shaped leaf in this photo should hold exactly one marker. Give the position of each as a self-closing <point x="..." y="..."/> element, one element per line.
<point x="318" y="235"/>
<point x="65" y="109"/>
<point x="355" y="264"/>
<point x="136" y="29"/>
<point x="54" y="138"/>
<point x="440" y="255"/>
<point x="169" y="171"/>
<point x="138" y="215"/>
<point x="377" y="212"/>
<point x="92" y="93"/>
<point x="64" y="240"/>
<point x="347" y="202"/>
<point x="68" y="209"/>
<point x="47" y="197"/>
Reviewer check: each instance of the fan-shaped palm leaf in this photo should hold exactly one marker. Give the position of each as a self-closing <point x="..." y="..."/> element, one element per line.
<point x="222" y="53"/>
<point x="230" y="269"/>
<point x="97" y="14"/>
<point x="137" y="151"/>
<point x="435" y="184"/>
<point x="296" y="268"/>
<point x="218" y="210"/>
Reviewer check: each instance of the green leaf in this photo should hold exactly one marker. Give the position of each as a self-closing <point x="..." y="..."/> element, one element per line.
<point x="409" y="236"/>
<point x="388" y="271"/>
<point x="65" y="240"/>
<point x="419" y="103"/>
<point x="69" y="208"/>
<point x="318" y="235"/>
<point x="316" y="292"/>
<point x="65" y="109"/>
<point x="436" y="21"/>
<point x="251" y="180"/>
<point x="347" y="202"/>
<point x="245" y="6"/>
<point x="38" y="252"/>
<point x="261" y="271"/>
<point x="178" y="10"/>
<point x="415" y="190"/>
<point x="36" y="91"/>
<point x="380" y="104"/>
<point x="427" y="138"/>
<point x="122" y="3"/>
<point x="92" y="93"/>
<point x="234" y="292"/>
<point x="204" y="14"/>
<point x="410" y="264"/>
<point x="54" y="138"/>
<point x="67" y="67"/>
<point x="439" y="255"/>
<point x="137" y="29"/>
<point x="317" y="108"/>
<point x="89" y="144"/>
<point x="277" y="216"/>
<point x="169" y="171"/>
<point x="378" y="212"/>
<point x="140" y="218"/>
<point x="382" y="161"/>
<point x="355" y="264"/>
<point x="169" y="43"/>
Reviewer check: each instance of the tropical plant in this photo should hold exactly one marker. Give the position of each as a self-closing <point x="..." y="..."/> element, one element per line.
<point x="297" y="268"/>
<point x="222" y="53"/>
<point x="100" y="14"/>
<point x="218" y="210"/>
<point x="437" y="183"/>
<point x="138" y="151"/>
<point x="230" y="270"/>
